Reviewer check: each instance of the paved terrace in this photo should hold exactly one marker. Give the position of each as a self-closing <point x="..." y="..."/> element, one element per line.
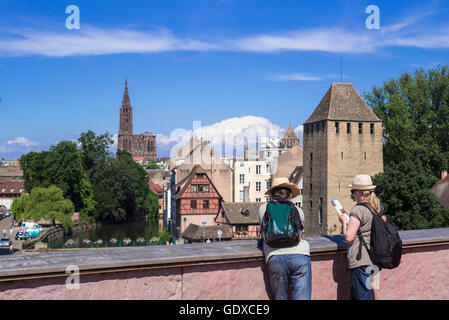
<point x="216" y="270"/>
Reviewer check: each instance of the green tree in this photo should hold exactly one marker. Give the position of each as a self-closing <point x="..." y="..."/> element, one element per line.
<point x="121" y="189"/>
<point x="152" y="164"/>
<point x="19" y="206"/>
<point x="45" y="203"/>
<point x="404" y="190"/>
<point x="94" y="149"/>
<point x="60" y="166"/>
<point x="415" y="114"/>
<point x="164" y="237"/>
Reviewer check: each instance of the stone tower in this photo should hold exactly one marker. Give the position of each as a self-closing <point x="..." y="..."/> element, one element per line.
<point x="142" y="146"/>
<point x="342" y="138"/>
<point x="289" y="139"/>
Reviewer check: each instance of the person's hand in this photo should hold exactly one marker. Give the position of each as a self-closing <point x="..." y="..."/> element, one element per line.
<point x="342" y="218"/>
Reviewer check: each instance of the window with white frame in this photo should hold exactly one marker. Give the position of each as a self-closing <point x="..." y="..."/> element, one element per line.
<point x="242" y="179"/>
<point x="258" y="186"/>
<point x="258" y="169"/>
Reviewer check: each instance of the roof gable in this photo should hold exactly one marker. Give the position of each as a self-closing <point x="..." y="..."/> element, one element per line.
<point x="184" y="183"/>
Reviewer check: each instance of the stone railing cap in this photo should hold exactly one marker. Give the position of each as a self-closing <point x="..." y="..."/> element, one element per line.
<point x="186" y="254"/>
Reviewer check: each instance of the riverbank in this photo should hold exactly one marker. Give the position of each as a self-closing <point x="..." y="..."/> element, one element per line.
<point x="104" y="233"/>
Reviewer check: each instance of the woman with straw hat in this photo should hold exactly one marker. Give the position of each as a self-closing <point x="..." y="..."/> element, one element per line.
<point x="288" y="266"/>
<point x="359" y="261"/>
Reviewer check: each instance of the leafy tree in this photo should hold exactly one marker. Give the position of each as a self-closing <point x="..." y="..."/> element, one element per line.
<point x="152" y="164"/>
<point x="19" y="206"/>
<point x="60" y="166"/>
<point x="45" y="203"/>
<point x="404" y="190"/>
<point x="415" y="114"/>
<point x="121" y="189"/>
<point x="164" y="237"/>
<point x="99" y="185"/>
<point x="94" y="149"/>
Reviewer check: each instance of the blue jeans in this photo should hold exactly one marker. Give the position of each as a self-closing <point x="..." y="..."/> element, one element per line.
<point x="360" y="280"/>
<point x="293" y="270"/>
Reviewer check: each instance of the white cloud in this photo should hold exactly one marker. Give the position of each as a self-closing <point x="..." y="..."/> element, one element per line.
<point x="22" y="141"/>
<point x="90" y="40"/>
<point x="237" y="131"/>
<point x="13" y="149"/>
<point x="297" y="76"/>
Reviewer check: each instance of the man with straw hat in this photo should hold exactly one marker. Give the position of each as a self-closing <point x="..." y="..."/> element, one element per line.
<point x="287" y="266"/>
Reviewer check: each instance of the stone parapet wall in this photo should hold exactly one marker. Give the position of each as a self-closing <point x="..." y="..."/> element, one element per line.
<point x="226" y="270"/>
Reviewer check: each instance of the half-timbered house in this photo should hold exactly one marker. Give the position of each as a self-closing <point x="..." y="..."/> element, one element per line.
<point x="197" y="200"/>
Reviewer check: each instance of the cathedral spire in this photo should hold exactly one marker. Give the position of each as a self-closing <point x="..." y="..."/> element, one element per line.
<point x="125" y="102"/>
<point x="126" y="113"/>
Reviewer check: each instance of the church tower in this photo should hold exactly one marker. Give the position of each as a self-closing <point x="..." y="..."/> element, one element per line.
<point x="125" y="136"/>
<point x="141" y="146"/>
<point x="342" y="138"/>
<point x="126" y="114"/>
<point x="289" y="139"/>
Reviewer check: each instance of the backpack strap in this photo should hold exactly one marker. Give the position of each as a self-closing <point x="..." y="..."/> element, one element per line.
<point x="359" y="234"/>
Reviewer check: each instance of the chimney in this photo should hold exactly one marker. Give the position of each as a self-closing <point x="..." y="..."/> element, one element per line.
<point x="245" y="154"/>
<point x="246" y="194"/>
<point x="443" y="174"/>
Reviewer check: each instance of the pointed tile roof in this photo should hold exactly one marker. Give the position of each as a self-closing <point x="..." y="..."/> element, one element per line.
<point x="125" y="102"/>
<point x="290" y="134"/>
<point x="184" y="183"/>
<point x="342" y="102"/>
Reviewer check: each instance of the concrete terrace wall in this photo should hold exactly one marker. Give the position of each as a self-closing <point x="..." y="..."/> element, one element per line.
<point x="227" y="270"/>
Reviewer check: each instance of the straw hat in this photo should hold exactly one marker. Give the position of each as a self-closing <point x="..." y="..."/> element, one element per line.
<point x="362" y="182"/>
<point x="283" y="182"/>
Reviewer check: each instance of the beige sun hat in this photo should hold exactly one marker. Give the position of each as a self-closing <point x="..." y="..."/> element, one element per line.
<point x="283" y="182"/>
<point x="362" y="182"/>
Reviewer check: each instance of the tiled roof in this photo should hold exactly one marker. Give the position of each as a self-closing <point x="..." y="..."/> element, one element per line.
<point x="290" y="134"/>
<point x="10" y="172"/>
<point x="242" y="212"/>
<point x="157" y="189"/>
<point x="195" y="232"/>
<point x="342" y="102"/>
<point x="441" y="190"/>
<point x="12" y="187"/>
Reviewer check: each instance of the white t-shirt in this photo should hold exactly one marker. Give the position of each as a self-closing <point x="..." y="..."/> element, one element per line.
<point x="301" y="248"/>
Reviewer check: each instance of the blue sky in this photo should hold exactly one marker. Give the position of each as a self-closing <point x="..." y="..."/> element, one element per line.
<point x="208" y="61"/>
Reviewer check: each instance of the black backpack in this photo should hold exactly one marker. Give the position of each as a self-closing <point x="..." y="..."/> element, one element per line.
<point x="281" y="224"/>
<point x="386" y="244"/>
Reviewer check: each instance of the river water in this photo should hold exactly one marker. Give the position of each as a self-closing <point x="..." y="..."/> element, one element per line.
<point x="141" y="228"/>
